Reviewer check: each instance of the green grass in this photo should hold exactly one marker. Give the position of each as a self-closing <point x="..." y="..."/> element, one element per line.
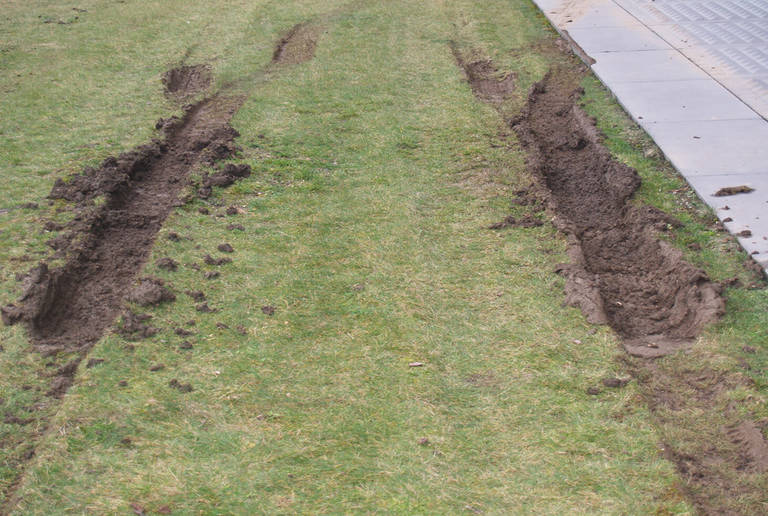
<point x="376" y="173"/>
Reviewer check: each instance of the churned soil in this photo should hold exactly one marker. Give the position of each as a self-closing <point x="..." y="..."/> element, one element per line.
<point x="187" y="81"/>
<point x="69" y="308"/>
<point x="621" y="272"/>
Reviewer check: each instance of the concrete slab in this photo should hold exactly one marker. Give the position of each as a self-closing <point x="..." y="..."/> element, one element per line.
<point x="616" y="39"/>
<point x="675" y="101"/>
<point x="714" y="147"/>
<point x="590" y="14"/>
<point x="648" y="65"/>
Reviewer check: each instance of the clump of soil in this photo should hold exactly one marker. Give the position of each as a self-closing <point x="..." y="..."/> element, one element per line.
<point x="180" y="386"/>
<point x="227" y="176"/>
<point x="150" y="291"/>
<point x="484" y="78"/>
<point x="733" y="190"/>
<point x="298" y="45"/>
<point x="187" y="81"/>
<point x="621" y="272"/>
<point x="209" y="260"/>
<point x="168" y="264"/>
<point x="134" y="326"/>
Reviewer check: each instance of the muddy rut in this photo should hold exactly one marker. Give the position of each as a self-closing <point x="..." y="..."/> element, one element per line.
<point x="621" y="273"/>
<point x="70" y="308"/>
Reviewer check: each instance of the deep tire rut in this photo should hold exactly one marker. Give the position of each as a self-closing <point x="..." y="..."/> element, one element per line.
<point x="622" y="274"/>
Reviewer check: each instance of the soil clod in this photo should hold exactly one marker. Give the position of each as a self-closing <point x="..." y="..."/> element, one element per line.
<point x="204" y="308"/>
<point x="733" y="190"/>
<point x="209" y="260"/>
<point x="268" y="310"/>
<point x="133" y="326"/>
<point x="167" y="264"/>
<point x="225" y="248"/>
<point x="93" y="362"/>
<point x="197" y="295"/>
<point x="180" y="386"/>
<point x="149" y="292"/>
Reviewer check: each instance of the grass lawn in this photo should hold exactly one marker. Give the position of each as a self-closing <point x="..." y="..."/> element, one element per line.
<point x="376" y="175"/>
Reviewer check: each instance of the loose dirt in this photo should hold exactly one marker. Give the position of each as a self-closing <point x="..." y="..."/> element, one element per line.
<point x="298" y="45"/>
<point x="621" y="272"/>
<point x="484" y="78"/>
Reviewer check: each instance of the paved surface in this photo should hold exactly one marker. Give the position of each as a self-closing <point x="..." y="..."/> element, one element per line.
<point x="694" y="75"/>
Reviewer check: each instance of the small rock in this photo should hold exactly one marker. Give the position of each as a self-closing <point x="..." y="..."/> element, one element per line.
<point x="212" y="274"/>
<point x="157" y="367"/>
<point x="416" y="364"/>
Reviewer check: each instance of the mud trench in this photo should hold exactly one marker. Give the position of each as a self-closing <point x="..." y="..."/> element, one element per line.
<point x="622" y="274"/>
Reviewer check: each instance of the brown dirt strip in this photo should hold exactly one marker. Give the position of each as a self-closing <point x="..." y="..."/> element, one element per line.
<point x="623" y="275"/>
<point x="298" y="45"/>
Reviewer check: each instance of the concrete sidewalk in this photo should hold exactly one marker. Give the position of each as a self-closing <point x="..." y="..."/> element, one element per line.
<point x="694" y="75"/>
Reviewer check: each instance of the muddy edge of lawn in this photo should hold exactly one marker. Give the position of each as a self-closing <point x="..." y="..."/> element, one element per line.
<point x="706" y="401"/>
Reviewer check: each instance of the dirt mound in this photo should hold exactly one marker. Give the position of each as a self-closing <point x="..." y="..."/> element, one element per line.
<point x="187" y="81"/>
<point x="621" y="272"/>
<point x="484" y="78"/>
<point x="298" y="45"/>
<point x="70" y="307"/>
